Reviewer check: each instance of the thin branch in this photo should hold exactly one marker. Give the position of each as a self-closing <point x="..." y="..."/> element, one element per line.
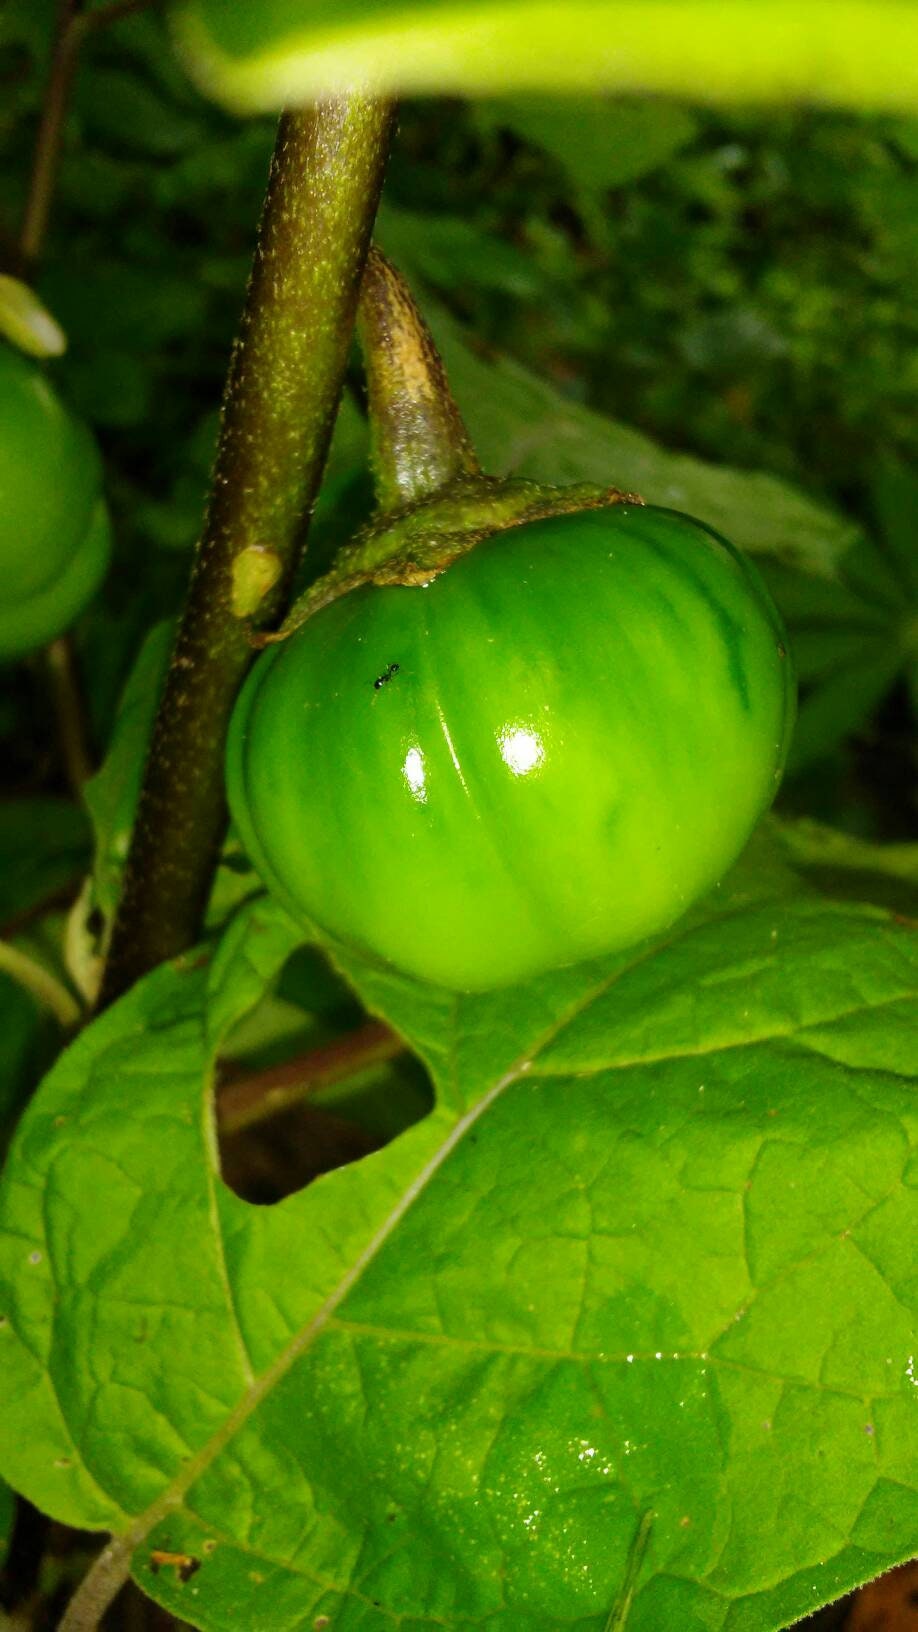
<point x="74" y="24"/>
<point x="281" y="398"/>
<point x="67" y="698"/>
<point x="246" y="1100"/>
<point x="47" y="152"/>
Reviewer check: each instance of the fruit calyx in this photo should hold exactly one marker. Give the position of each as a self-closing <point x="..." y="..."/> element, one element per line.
<point x="433" y="501"/>
<point x="416" y="545"/>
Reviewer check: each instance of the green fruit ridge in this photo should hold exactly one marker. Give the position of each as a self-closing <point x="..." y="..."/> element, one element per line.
<point x="547" y="753"/>
<point x="55" y="539"/>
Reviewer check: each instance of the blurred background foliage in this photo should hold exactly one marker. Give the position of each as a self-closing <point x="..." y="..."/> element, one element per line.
<point x="737" y="285"/>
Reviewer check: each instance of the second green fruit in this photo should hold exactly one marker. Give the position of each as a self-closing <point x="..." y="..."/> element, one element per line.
<point x="54" y="531"/>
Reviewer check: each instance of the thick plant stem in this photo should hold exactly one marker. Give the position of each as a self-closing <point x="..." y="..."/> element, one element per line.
<point x="279" y="407"/>
<point x="419" y="443"/>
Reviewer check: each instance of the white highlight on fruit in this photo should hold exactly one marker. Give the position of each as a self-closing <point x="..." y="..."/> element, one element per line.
<point x="415" y="775"/>
<point x="521" y="750"/>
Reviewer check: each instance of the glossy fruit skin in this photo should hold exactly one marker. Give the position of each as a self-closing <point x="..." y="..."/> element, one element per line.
<point x="588" y="716"/>
<point x="55" y="539"/>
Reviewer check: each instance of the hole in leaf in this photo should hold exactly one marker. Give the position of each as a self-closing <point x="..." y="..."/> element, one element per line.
<point x="309" y="1082"/>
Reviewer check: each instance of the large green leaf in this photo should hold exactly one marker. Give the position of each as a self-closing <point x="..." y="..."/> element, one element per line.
<point x="848" y="868"/>
<point x="600" y="143"/>
<point x="292" y="50"/>
<point x="651" y="1254"/>
<point x="853" y="636"/>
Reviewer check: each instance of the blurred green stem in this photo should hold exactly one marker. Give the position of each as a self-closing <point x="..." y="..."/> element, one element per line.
<point x="46" y="989"/>
<point x="67" y="699"/>
<point x="47" y="151"/>
<point x="279" y="407"/>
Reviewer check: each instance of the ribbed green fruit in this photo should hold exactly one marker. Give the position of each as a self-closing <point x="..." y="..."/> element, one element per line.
<point x="55" y="539"/>
<point x="548" y="753"/>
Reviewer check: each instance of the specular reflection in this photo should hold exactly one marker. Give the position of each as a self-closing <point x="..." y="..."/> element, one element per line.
<point x="521" y="749"/>
<point x="415" y="774"/>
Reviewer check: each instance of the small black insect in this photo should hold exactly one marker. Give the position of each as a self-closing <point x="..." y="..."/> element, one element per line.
<point x="385" y="677"/>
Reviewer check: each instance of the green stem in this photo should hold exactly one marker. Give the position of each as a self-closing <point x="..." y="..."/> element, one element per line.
<point x="419" y="443"/>
<point x="282" y="394"/>
<point x="46" y="989"/>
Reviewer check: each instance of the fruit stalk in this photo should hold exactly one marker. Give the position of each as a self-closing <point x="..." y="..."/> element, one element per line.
<point x="433" y="501"/>
<point x="282" y="393"/>
<point x="419" y="443"/>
